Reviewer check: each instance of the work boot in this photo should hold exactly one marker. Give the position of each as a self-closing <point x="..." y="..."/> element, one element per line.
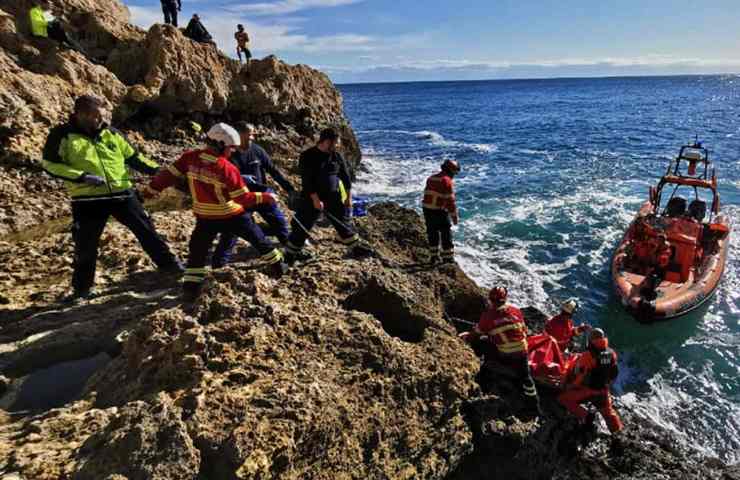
<point x="300" y="256"/>
<point x="176" y="268"/>
<point x="80" y="296"/>
<point x="362" y="250"/>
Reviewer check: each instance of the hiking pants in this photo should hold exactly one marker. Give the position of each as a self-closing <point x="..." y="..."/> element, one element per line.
<point x="306" y="216"/>
<point x="205" y="232"/>
<point x="270" y="214"/>
<point x="170" y="14"/>
<point x="89" y="220"/>
<point x="439" y="227"/>
<point x="573" y="399"/>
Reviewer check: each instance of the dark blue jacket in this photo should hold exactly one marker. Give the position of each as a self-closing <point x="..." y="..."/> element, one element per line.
<point x="256" y="163"/>
<point x="321" y="172"/>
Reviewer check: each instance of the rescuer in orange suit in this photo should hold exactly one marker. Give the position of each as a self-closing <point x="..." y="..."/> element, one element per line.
<point x="504" y="326"/>
<point x="588" y="381"/>
<point x="561" y="328"/>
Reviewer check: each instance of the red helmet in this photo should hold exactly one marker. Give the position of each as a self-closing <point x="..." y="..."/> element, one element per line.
<point x="451" y="167"/>
<point x="498" y="295"/>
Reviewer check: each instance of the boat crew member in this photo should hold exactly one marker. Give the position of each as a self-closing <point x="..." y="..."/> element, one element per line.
<point x="221" y="202"/>
<point x="93" y="159"/>
<point x="440" y="211"/>
<point x="504" y="326"/>
<point x="588" y="381"/>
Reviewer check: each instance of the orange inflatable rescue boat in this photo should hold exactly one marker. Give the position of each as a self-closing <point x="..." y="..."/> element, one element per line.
<point x="673" y="256"/>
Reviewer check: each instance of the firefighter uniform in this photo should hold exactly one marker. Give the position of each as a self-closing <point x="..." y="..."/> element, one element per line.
<point x="438" y="205"/>
<point x="505" y="328"/>
<point x="588" y="381"/>
<point x="70" y="155"/>
<point x="324" y="174"/>
<point x="220" y="201"/>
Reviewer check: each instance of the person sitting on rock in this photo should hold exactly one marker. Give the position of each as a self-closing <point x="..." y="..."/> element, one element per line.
<point x="170" y="9"/>
<point x="44" y="25"/>
<point x="589" y="379"/>
<point x="560" y="327"/>
<point x="327" y="188"/>
<point x="221" y="202"/>
<point x="440" y="211"/>
<point x="242" y="43"/>
<point x="93" y="161"/>
<point x="255" y="164"/>
<point x="504" y="327"/>
<point x="197" y="32"/>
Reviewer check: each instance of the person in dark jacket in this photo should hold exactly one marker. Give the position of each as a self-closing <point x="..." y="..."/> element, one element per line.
<point x="326" y="188"/>
<point x="93" y="160"/>
<point x="170" y="9"/>
<point x="255" y="165"/>
<point x="196" y="31"/>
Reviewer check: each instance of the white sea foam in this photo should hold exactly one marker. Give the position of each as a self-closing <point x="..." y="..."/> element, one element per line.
<point x="437" y="139"/>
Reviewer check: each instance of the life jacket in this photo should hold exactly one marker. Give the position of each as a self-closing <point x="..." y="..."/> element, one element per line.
<point x="605" y="370"/>
<point x="439" y="193"/>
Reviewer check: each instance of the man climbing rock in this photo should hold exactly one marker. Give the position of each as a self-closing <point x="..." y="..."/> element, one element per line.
<point x="197" y="32"/>
<point x="503" y="326"/>
<point x="242" y="43"/>
<point x="326" y="189"/>
<point x="93" y="161"/>
<point x="170" y="9"/>
<point x="440" y="211"/>
<point x="561" y="327"/>
<point x="589" y="380"/>
<point x="221" y="202"/>
<point x="255" y="165"/>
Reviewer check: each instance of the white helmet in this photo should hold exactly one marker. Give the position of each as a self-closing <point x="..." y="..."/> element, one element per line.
<point x="570" y="305"/>
<point x="224" y="133"/>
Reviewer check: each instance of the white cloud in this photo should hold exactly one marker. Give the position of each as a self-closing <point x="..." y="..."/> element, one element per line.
<point x="282" y="7"/>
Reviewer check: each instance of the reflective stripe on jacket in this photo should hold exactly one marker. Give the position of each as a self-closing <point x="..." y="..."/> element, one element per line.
<point x="506" y="328"/>
<point x="217" y="188"/>
<point x="69" y="154"/>
<point x="39" y="24"/>
<point x="439" y="193"/>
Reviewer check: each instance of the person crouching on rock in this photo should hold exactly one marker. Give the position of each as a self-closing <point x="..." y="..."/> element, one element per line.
<point x="220" y="204"/>
<point x="93" y="161"/>
<point x="440" y="211"/>
<point x="504" y="326"/>
<point x="44" y="25"/>
<point x="561" y="328"/>
<point x="255" y="165"/>
<point x="326" y="187"/>
<point x="589" y="379"/>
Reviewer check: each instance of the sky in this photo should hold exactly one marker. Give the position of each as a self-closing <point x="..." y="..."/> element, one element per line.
<point x="402" y="40"/>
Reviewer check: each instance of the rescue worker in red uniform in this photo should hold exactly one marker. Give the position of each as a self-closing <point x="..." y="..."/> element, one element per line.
<point x="589" y="379"/>
<point x="504" y="326"/>
<point x="221" y="204"/>
<point x="561" y="328"/>
<point x="661" y="259"/>
<point x="440" y="211"/>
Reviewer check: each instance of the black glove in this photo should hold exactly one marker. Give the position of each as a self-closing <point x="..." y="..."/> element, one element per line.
<point x="93" y="180"/>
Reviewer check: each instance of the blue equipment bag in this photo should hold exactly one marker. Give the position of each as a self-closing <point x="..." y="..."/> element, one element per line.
<point x="359" y="206"/>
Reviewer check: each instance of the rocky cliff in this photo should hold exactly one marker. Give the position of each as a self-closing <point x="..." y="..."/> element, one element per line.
<point x="341" y="369"/>
<point x="154" y="82"/>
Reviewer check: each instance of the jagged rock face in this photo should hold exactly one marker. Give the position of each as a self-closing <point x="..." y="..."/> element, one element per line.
<point x="154" y="82"/>
<point x="263" y="379"/>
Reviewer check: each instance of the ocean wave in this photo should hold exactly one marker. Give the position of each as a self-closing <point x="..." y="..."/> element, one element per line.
<point x="438" y="140"/>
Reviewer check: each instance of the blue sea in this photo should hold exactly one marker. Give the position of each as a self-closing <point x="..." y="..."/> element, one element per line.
<point x="553" y="172"/>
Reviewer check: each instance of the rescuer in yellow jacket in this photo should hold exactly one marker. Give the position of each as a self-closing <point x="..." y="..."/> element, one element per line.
<point x="93" y="161"/>
<point x="44" y="25"/>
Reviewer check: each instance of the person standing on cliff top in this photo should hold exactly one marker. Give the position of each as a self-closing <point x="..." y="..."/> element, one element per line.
<point x="93" y="161"/>
<point x="170" y="9"/>
<point x="221" y="204"/>
<point x="440" y="211"/>
<point x="327" y="188"/>
<point x="242" y="43"/>
<point x="255" y="165"/>
<point x="503" y="326"/>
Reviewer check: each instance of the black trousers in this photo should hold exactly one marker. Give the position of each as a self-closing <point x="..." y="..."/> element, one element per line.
<point x="439" y="227"/>
<point x="89" y="220"/>
<point x="170" y="14"/>
<point x="206" y="231"/>
<point x="306" y="216"/>
<point x="56" y="32"/>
